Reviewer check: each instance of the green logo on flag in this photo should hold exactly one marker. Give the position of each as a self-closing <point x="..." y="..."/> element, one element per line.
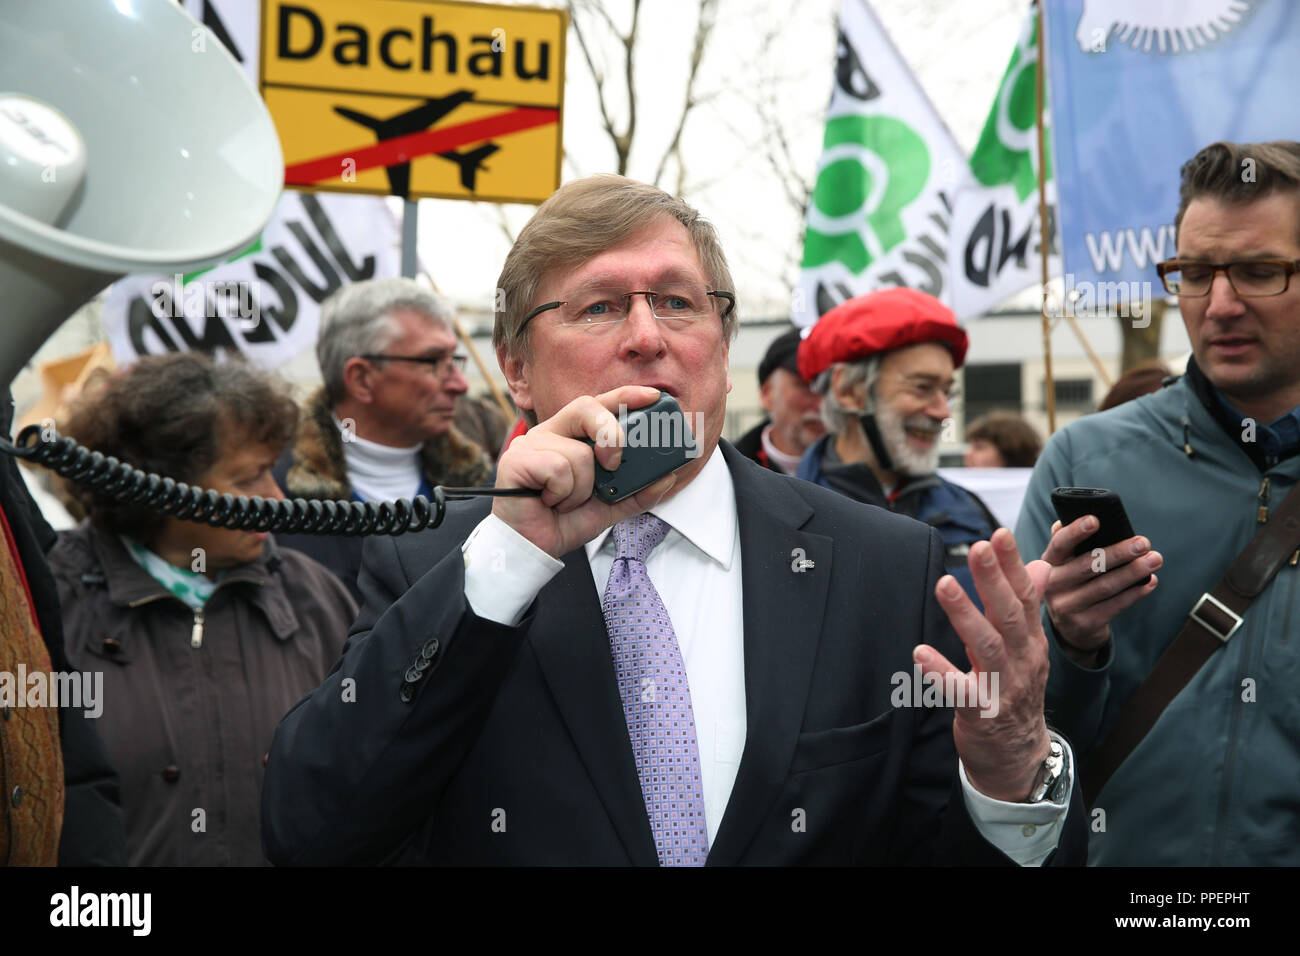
<point x="1004" y="152"/>
<point x="880" y="165"/>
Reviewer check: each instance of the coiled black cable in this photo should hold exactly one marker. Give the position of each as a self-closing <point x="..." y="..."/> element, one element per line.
<point x="279" y="516"/>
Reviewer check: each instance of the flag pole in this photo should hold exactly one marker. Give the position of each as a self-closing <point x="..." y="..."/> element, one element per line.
<point x="410" y="230"/>
<point x="1087" y="347"/>
<point x="1045" y="242"/>
<point x="1044" y="238"/>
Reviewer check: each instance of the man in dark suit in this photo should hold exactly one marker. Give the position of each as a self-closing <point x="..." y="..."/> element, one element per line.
<point x="719" y="668"/>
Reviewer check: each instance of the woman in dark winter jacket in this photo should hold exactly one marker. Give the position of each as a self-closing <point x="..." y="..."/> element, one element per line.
<point x="204" y="636"/>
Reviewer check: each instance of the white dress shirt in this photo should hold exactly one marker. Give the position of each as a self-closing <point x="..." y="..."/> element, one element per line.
<point x="697" y="572"/>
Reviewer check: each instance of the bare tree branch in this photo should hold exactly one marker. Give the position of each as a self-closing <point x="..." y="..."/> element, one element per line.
<point x="504" y="222"/>
<point x="776" y="149"/>
<point x="781" y="159"/>
<point x="624" y="143"/>
<point x="577" y="171"/>
<point x="756" y="83"/>
<point x="708" y="15"/>
<point x="792" y="183"/>
<point x="597" y="75"/>
<point x="604" y="15"/>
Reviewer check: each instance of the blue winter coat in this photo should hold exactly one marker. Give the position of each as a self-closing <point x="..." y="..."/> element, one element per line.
<point x="959" y="516"/>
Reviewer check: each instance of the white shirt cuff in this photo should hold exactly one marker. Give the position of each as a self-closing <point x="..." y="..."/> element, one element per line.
<point x="504" y="571"/>
<point x="1026" y="832"/>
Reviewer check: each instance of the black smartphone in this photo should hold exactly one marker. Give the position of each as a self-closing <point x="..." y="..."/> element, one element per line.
<point x="657" y="441"/>
<point x="1073" y="503"/>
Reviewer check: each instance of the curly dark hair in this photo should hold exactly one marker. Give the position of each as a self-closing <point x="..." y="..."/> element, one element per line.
<point x="174" y="415"/>
<point x="1013" y="437"/>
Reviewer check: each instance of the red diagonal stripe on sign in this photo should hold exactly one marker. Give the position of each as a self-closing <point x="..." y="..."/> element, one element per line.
<point x="403" y="149"/>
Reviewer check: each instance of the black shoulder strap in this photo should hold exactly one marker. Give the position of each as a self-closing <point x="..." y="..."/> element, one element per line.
<point x="1213" y="621"/>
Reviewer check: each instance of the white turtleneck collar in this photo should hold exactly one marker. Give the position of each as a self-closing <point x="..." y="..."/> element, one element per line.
<point x="380" y="472"/>
<point x="787" y="463"/>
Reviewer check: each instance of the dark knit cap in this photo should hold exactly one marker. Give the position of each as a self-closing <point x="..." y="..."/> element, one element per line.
<point x="782" y="353"/>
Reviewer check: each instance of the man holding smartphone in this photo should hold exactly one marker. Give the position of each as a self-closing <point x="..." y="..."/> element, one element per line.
<point x="703" y="671"/>
<point x="1197" y="466"/>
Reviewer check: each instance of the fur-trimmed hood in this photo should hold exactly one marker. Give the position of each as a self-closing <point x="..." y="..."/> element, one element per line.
<point x="318" y="468"/>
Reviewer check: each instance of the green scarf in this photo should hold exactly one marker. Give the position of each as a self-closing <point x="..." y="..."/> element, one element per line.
<point x="191" y="587"/>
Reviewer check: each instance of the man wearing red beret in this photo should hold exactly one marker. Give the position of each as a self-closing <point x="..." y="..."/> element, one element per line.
<point x="885" y="362"/>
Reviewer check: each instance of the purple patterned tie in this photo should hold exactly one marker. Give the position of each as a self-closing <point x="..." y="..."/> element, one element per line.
<point x="656" y="696"/>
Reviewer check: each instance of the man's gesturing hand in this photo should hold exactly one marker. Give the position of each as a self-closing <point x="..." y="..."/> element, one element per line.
<point x="552" y="457"/>
<point x="1001" y="752"/>
<point x="1083" y="594"/>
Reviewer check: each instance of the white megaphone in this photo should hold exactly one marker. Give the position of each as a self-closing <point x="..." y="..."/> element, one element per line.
<point x="130" y="141"/>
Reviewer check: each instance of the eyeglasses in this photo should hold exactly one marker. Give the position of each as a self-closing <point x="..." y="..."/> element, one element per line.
<point x="441" y="364"/>
<point x="1248" y="277"/>
<point x="927" y="391"/>
<point x="602" y="305"/>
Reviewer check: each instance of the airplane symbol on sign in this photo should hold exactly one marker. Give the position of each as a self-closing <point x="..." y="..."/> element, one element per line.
<point x="417" y="120"/>
<point x="401" y="148"/>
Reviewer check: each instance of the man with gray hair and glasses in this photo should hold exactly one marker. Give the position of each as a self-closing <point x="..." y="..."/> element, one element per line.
<point x="706" y="671"/>
<point x="1195" y="767"/>
<point x="381" y="426"/>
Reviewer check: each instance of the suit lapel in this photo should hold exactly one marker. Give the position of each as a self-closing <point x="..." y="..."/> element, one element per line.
<point x="783" y="610"/>
<point x="572" y="647"/>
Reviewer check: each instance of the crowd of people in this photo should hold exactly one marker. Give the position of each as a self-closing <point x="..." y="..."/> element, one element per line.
<point x="674" y="677"/>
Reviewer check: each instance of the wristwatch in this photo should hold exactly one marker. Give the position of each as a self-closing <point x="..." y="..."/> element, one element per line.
<point x="1051" y="783"/>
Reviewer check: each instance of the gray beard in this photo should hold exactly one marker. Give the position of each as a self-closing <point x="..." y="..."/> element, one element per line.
<point x="907" y="461"/>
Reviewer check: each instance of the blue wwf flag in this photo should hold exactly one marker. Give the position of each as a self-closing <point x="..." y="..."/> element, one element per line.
<point x="1136" y="89"/>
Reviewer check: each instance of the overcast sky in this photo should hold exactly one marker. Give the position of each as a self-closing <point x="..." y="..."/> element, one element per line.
<point x="957" y="48"/>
